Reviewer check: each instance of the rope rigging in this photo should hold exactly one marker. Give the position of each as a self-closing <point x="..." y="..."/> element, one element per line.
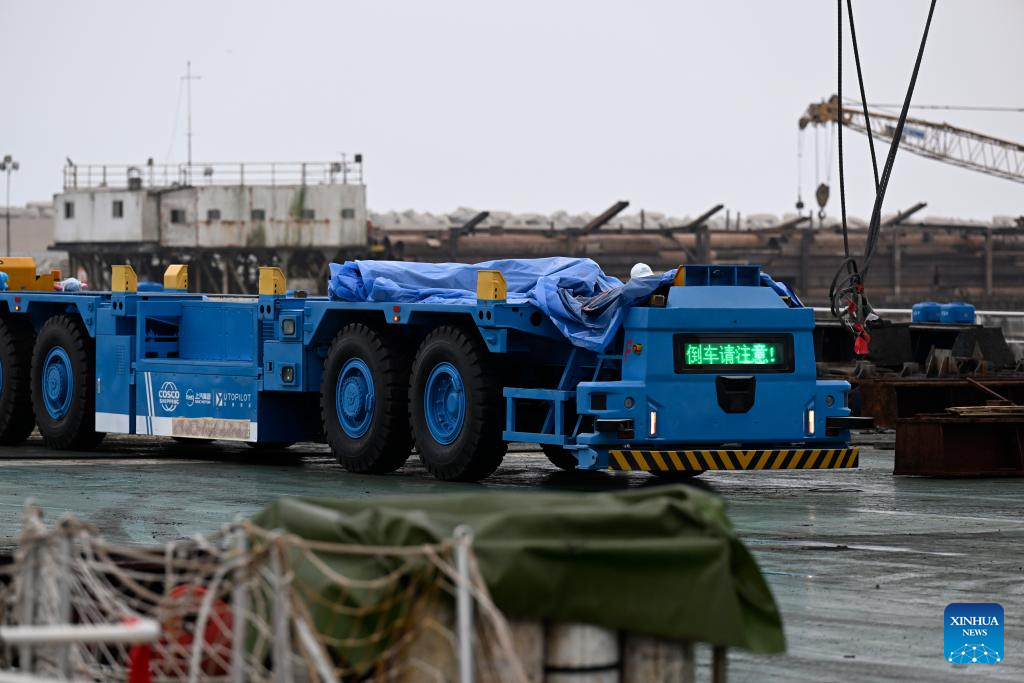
<point x="848" y="301"/>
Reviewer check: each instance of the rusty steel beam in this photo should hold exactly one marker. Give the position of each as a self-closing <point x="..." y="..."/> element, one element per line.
<point x="791" y="223"/>
<point x="469" y="227"/>
<point x="904" y="215"/>
<point x="611" y="212"/>
<point x="697" y="222"/>
<point x="783" y="226"/>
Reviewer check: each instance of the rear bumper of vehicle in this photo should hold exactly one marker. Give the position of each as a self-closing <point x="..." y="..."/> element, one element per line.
<point x="733" y="459"/>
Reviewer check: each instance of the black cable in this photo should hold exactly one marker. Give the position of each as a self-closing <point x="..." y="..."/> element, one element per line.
<point x="829" y="155"/>
<point x="876" y="214"/>
<point x="863" y="96"/>
<point x="851" y="283"/>
<point x="799" y="169"/>
<point x="839" y="122"/>
<point x="846" y="293"/>
<point x="817" y="158"/>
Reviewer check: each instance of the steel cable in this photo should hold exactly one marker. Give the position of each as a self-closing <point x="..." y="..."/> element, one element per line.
<point x="847" y="300"/>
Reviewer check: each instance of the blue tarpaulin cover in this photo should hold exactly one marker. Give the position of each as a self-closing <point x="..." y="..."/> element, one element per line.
<point x="584" y="303"/>
<point x="781" y="288"/>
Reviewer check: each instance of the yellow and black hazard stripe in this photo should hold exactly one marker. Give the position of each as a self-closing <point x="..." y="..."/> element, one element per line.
<point x="732" y="459"/>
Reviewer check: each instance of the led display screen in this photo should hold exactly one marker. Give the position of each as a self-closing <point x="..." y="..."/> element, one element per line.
<point x="732" y="353"/>
<point x="727" y="353"/>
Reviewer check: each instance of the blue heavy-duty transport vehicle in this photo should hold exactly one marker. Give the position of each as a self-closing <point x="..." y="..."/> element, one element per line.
<point x="713" y="371"/>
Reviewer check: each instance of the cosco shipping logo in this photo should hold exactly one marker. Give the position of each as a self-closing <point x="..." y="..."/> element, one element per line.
<point x="973" y="633"/>
<point x="169" y="396"/>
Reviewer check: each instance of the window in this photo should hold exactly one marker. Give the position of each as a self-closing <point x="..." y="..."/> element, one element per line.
<point x="259" y="214"/>
<point x="69" y="209"/>
<point x="348" y="213"/>
<point x="117" y="209"/>
<point x="213" y="215"/>
<point x="307" y="214"/>
<point x="177" y="215"/>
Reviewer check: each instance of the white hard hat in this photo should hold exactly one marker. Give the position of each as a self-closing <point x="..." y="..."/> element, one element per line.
<point x="640" y="270"/>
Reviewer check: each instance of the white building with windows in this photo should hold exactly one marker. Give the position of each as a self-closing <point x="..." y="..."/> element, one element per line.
<point x="224" y="220"/>
<point x="301" y="204"/>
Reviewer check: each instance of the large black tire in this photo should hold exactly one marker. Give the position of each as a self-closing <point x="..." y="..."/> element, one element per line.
<point x="16" y="418"/>
<point x="74" y="428"/>
<point x="476" y="449"/>
<point x="378" y="439"/>
<point x="559" y="457"/>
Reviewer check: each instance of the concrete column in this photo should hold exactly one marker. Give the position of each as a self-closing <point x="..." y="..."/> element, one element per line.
<point x="453" y="244"/>
<point x="703" y="244"/>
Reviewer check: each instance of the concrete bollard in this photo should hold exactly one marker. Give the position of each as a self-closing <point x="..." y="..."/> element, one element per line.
<point x="581" y="653"/>
<point x="528" y="642"/>
<point x="649" y="660"/>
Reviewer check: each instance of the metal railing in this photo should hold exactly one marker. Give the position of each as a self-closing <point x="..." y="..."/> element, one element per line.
<point x="84" y="176"/>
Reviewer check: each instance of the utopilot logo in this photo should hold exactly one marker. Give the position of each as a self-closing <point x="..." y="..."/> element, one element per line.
<point x="974" y="633"/>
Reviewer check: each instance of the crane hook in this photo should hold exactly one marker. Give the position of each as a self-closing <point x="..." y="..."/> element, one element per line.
<point x="821" y="194"/>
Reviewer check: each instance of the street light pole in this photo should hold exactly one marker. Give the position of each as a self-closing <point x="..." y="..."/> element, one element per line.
<point x="9" y="165"/>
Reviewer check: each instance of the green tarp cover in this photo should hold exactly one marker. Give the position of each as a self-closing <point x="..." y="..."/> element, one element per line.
<point x="662" y="561"/>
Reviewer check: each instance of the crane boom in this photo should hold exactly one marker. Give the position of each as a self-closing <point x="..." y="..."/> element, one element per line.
<point x="941" y="141"/>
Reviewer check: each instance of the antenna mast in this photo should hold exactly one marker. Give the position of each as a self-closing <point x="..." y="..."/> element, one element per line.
<point x="188" y="78"/>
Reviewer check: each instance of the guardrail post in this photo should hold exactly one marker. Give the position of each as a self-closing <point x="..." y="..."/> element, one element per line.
<point x="239" y="603"/>
<point x="282" y="647"/>
<point x="464" y="603"/>
<point x="312" y="648"/>
<point x="30" y="547"/>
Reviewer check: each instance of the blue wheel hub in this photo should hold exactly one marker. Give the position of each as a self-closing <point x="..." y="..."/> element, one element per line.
<point x="354" y="398"/>
<point x="58" y="383"/>
<point x="444" y="403"/>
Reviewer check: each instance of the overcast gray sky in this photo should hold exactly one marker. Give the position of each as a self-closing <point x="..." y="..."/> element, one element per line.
<point x="532" y="105"/>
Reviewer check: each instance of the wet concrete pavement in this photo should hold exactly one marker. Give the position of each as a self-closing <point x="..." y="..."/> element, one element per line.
<point x="862" y="563"/>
